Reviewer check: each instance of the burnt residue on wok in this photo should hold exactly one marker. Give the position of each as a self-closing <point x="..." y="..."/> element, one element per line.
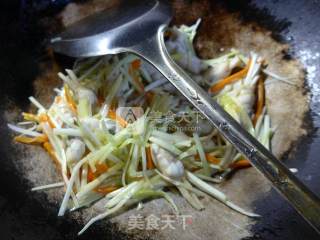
<point x="23" y="216"/>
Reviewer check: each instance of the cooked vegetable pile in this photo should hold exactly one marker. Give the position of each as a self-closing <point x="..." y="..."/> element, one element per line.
<point x="119" y="132"/>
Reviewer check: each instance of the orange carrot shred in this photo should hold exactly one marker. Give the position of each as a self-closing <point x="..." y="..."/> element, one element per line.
<point x="101" y="168"/>
<point x="69" y="99"/>
<point x="260" y="101"/>
<point x="48" y="147"/>
<point x="112" y="114"/>
<point x="28" y="140"/>
<point x="210" y="158"/>
<point x="230" y="79"/>
<point x="45" y="118"/>
<point x="41" y="118"/>
<point x="58" y="99"/>
<point x="136" y="64"/>
<point x="136" y="79"/>
<point x="243" y="163"/>
<point x="114" y="104"/>
<point x="150" y="164"/>
<point x="90" y="175"/>
<point x="106" y="190"/>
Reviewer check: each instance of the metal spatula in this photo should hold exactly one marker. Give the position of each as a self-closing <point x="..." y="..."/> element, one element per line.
<point x="137" y="27"/>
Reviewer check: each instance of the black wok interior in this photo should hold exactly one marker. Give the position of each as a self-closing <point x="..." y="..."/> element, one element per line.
<point x="22" y="41"/>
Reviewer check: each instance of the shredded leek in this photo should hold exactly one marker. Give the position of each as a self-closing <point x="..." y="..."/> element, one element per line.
<point x="125" y="159"/>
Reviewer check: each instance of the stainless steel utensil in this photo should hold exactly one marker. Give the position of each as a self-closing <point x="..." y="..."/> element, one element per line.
<point x="137" y="27"/>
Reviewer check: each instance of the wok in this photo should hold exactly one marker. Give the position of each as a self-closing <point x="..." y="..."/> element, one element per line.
<point x="25" y="27"/>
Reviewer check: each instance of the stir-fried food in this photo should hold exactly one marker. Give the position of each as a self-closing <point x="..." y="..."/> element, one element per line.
<point x="119" y="132"/>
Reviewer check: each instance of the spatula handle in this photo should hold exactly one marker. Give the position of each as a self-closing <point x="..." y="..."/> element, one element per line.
<point x="298" y="195"/>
